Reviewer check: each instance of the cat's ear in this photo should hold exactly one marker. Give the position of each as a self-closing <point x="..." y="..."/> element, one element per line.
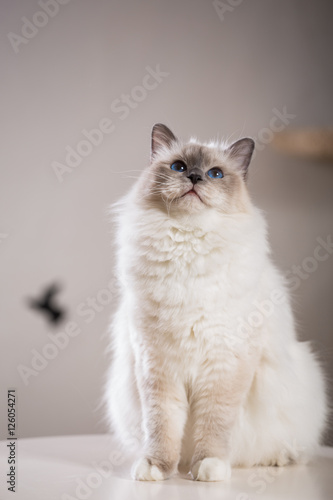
<point x="161" y="136"/>
<point x="241" y="153"/>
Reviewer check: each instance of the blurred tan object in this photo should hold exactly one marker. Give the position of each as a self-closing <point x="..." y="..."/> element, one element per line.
<point x="311" y="143"/>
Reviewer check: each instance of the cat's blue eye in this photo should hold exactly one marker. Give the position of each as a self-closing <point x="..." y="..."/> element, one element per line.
<point x="215" y="173"/>
<point x="178" y="166"/>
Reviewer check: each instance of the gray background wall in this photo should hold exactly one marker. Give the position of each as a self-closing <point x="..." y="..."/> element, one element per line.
<point x="225" y="76"/>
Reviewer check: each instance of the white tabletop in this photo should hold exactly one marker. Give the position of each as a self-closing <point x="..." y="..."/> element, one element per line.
<point x="93" y="467"/>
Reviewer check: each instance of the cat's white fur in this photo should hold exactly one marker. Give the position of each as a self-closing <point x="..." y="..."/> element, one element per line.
<point x="205" y="314"/>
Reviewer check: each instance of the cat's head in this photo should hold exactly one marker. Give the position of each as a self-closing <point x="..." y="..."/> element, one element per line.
<point x="187" y="178"/>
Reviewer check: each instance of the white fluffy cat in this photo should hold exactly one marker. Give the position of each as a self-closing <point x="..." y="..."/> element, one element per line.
<point x="207" y="370"/>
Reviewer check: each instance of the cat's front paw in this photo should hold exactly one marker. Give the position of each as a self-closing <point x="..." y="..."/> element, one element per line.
<point x="211" y="469"/>
<point x="146" y="470"/>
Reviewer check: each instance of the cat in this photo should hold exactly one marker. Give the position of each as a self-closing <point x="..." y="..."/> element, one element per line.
<point x="207" y="372"/>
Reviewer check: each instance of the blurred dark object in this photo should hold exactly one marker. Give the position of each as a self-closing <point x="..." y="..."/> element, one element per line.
<point x="45" y="304"/>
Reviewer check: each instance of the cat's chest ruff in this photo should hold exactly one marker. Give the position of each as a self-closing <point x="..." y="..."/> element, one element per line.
<point x="179" y="247"/>
<point x="183" y="269"/>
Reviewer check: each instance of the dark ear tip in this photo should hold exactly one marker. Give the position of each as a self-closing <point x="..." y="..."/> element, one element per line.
<point x="246" y="145"/>
<point x="161" y="136"/>
<point x="161" y="130"/>
<point x="250" y="142"/>
<point x="158" y="126"/>
<point x="245" y="140"/>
